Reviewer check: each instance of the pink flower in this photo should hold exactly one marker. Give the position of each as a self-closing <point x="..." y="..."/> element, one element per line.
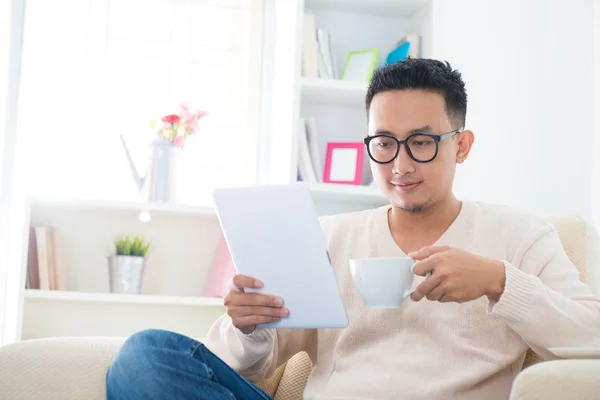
<point x="191" y="126"/>
<point x="185" y="112"/>
<point x="171" y="119"/>
<point x="178" y="141"/>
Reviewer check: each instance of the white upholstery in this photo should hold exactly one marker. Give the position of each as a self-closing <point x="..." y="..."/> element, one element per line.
<point x="56" y="368"/>
<point x="75" y="368"/>
<point x="559" y="380"/>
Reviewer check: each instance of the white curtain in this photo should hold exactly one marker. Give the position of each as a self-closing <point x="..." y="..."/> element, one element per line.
<point x="12" y="204"/>
<point x="95" y="69"/>
<point x="4" y="48"/>
<point x="4" y="212"/>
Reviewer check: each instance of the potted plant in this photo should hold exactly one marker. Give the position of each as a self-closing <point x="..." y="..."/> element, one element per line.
<point x="126" y="266"/>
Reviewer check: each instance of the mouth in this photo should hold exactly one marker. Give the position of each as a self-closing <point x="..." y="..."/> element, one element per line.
<point x="406" y="186"/>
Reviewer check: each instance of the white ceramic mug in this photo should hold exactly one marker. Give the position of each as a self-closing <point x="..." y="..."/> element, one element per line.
<point x="383" y="282"/>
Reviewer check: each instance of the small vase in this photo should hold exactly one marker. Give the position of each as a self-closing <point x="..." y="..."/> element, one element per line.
<point x="126" y="274"/>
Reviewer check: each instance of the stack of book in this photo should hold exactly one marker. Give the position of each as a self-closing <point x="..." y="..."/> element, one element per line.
<point x="309" y="155"/>
<point x="42" y="271"/>
<point x="317" y="56"/>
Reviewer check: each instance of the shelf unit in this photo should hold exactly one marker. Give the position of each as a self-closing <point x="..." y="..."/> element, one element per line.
<point x="336" y="106"/>
<point x="176" y="273"/>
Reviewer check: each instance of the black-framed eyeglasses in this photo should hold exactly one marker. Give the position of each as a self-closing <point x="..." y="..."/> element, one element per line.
<point x="421" y="147"/>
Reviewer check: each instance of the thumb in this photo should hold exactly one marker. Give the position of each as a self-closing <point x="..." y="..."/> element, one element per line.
<point x="426" y="252"/>
<point x="230" y="286"/>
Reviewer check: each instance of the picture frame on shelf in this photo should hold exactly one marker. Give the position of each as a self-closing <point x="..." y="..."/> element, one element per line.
<point x="360" y="65"/>
<point x="344" y="163"/>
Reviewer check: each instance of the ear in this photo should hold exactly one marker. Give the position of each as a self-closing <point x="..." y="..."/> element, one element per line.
<point x="464" y="142"/>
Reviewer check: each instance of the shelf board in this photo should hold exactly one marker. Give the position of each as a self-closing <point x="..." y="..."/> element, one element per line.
<point x="142" y="299"/>
<point x="333" y="92"/>
<point x="322" y="192"/>
<point x="347" y="193"/>
<point x="123" y="205"/>
<point x="385" y="8"/>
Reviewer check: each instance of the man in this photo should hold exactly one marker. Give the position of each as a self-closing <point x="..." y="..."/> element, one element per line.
<point x="499" y="284"/>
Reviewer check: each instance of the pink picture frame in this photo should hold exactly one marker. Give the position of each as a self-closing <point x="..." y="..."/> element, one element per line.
<point x="344" y="163"/>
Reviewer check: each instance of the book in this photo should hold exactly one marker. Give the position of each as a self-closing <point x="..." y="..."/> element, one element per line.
<point x="414" y="49"/>
<point x="313" y="147"/>
<point x="310" y="48"/>
<point x="305" y="164"/>
<point x="42" y="270"/>
<point x="327" y="67"/>
<point x="33" y="272"/>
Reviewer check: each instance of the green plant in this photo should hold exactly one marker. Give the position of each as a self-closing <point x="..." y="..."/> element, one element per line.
<point x="126" y="246"/>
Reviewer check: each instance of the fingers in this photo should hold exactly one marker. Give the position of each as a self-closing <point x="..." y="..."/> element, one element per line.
<point x="252" y="299"/>
<point x="426" y="252"/>
<point x="249" y="309"/>
<point x="435" y="256"/>
<point x="424" y="267"/>
<point x="251" y="321"/>
<point x="240" y="282"/>
<point x="436" y="293"/>
<point x="426" y="287"/>
<point x="245" y="311"/>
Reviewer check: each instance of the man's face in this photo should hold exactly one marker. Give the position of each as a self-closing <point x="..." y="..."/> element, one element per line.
<point x="410" y="185"/>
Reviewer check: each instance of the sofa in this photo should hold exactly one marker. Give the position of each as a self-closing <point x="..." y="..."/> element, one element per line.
<point x="75" y="368"/>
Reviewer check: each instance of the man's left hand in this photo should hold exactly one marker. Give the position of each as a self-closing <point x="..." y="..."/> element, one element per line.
<point x="456" y="275"/>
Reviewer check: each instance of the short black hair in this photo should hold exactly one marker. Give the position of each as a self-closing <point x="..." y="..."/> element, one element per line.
<point x="423" y="74"/>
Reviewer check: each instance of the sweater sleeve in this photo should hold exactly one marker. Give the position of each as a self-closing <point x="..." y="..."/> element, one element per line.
<point x="544" y="300"/>
<point x="257" y="355"/>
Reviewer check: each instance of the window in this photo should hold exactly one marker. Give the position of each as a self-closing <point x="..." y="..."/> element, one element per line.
<point x="93" y="70"/>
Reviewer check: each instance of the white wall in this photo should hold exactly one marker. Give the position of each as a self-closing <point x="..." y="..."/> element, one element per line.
<point x="528" y="67"/>
<point x="595" y="183"/>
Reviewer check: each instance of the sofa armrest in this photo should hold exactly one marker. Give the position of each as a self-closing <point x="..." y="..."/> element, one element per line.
<point x="56" y="368"/>
<point x="558" y="379"/>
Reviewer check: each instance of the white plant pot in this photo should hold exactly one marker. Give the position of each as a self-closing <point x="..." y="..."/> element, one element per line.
<point x="126" y="274"/>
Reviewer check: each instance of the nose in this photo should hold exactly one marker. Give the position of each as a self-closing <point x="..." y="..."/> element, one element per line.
<point x="403" y="164"/>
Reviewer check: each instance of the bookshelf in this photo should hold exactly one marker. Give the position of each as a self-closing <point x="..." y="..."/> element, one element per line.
<point x="335" y="107"/>
<point x="185" y="239"/>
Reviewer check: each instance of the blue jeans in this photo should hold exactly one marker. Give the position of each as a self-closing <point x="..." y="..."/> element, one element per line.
<point x="158" y="364"/>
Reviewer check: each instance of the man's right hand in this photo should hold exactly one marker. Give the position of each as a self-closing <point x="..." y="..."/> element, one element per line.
<point x="250" y="309"/>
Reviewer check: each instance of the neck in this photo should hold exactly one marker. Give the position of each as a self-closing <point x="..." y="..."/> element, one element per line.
<point x="432" y="220"/>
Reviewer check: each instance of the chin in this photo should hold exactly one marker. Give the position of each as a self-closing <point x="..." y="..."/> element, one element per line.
<point x="407" y="203"/>
<point x="412" y="207"/>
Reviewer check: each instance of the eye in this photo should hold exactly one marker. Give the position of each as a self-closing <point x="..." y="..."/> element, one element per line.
<point x="383" y="142"/>
<point x="421" y="141"/>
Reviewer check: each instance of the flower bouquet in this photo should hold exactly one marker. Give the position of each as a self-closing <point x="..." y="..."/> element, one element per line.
<point x="176" y="127"/>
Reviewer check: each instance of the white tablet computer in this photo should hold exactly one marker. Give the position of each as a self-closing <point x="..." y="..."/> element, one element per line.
<point x="273" y="233"/>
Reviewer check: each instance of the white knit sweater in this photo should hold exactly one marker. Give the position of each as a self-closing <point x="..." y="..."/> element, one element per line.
<point x="432" y="350"/>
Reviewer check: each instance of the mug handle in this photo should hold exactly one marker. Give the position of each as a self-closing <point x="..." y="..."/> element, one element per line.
<point x="410" y="292"/>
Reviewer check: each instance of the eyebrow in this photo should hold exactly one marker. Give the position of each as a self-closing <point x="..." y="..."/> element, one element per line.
<point x="423" y="129"/>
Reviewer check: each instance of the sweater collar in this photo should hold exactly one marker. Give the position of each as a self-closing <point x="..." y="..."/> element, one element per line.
<point x="448" y="238"/>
